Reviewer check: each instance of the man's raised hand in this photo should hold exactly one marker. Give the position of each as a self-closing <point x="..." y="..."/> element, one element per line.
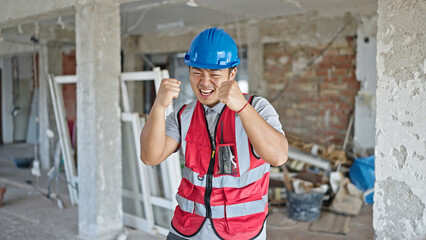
<point x="169" y="89"/>
<point x="231" y="95"/>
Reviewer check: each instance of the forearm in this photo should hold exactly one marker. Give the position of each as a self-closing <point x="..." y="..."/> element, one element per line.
<point x="153" y="137"/>
<point x="271" y="145"/>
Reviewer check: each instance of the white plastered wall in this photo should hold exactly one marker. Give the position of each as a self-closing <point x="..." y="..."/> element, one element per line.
<point x="400" y="193"/>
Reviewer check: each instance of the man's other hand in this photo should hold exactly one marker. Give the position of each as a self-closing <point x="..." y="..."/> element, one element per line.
<point x="231" y="95"/>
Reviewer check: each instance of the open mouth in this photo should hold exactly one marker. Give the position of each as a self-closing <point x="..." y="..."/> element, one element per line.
<point x="206" y="92"/>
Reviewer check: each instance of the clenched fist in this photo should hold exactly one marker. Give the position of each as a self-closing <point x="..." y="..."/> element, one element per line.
<point x="231" y="95"/>
<point x="169" y="89"/>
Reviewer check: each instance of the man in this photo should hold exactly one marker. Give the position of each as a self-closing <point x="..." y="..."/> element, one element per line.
<point x="228" y="140"/>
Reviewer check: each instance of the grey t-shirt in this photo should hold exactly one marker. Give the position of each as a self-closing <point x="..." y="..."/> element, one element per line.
<point x="260" y="104"/>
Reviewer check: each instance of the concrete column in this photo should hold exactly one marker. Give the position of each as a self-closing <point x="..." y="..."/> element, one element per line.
<point x="43" y="117"/>
<point x="133" y="62"/>
<point x="55" y="57"/>
<point x="400" y="196"/>
<point x="98" y="124"/>
<point x="7" y="100"/>
<point x="255" y="59"/>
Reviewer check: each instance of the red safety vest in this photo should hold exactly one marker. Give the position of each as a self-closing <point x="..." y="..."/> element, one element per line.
<point x="236" y="203"/>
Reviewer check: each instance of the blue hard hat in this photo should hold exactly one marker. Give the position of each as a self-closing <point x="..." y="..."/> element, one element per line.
<point x="213" y="48"/>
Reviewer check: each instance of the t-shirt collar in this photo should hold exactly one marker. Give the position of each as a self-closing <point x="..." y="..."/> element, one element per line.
<point x="217" y="108"/>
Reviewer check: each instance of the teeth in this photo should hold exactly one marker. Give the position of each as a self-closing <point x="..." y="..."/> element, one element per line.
<point x="206" y="92"/>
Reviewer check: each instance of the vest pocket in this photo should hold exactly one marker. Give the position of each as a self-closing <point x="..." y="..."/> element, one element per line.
<point x="239" y="208"/>
<point x="226" y="160"/>
<point x="186" y="192"/>
<point x="197" y="153"/>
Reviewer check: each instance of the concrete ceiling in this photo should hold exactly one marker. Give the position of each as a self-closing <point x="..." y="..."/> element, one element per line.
<point x="179" y="14"/>
<point x="149" y="16"/>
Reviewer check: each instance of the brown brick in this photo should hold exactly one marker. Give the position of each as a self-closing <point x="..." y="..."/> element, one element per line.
<point x="309" y="73"/>
<point x="338" y="126"/>
<point x="339" y="58"/>
<point x="340" y="43"/>
<point x="343" y="106"/>
<point x="349" y="79"/>
<point x="331" y="52"/>
<point x="340" y="86"/>
<point x="328" y="105"/>
<point x="351" y="57"/>
<point x="340" y="72"/>
<point x="329" y="132"/>
<point x="331" y="79"/>
<point x="331" y="98"/>
<point x="69" y="64"/>
<point x="344" y="64"/>
<point x="351" y="40"/>
<point x="328" y="58"/>
<point x="347" y="51"/>
<point x="324" y="64"/>
<point x="321" y="72"/>
<point x="325" y="86"/>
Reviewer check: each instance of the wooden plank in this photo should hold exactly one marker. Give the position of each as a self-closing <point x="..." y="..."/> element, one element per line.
<point x="287" y="179"/>
<point x="331" y="223"/>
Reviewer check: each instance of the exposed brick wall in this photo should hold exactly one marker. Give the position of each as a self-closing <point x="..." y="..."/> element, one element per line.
<point x="319" y="99"/>
<point x="69" y="66"/>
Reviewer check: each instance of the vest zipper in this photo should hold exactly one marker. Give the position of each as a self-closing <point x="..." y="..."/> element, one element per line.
<point x="209" y="184"/>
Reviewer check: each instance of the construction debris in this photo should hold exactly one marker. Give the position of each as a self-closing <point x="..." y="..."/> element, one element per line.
<point x="331" y="223"/>
<point x="317" y="186"/>
<point x="331" y="153"/>
<point x="295" y="153"/>
<point x="348" y="199"/>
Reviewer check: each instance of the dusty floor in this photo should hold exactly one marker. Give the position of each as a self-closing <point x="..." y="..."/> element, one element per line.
<point x="27" y="214"/>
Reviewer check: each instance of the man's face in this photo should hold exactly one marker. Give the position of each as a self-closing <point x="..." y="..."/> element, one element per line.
<point x="206" y="83"/>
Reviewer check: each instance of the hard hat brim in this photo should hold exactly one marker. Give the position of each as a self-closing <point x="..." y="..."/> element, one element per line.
<point x="212" y="66"/>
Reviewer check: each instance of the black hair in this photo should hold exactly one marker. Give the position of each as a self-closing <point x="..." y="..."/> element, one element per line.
<point x="230" y="69"/>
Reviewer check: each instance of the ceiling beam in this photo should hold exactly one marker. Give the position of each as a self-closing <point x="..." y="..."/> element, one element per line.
<point x="16" y="12"/>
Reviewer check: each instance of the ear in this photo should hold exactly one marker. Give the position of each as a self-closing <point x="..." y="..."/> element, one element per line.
<point x="233" y="73"/>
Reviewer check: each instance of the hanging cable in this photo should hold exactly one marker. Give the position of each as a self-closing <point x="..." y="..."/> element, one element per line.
<point x="238" y="30"/>
<point x="138" y="21"/>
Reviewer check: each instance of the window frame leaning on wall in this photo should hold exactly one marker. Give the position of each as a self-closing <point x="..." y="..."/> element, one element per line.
<point x="158" y="183"/>
<point x="55" y="86"/>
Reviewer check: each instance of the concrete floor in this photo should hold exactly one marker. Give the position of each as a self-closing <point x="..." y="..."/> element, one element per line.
<point x="27" y="214"/>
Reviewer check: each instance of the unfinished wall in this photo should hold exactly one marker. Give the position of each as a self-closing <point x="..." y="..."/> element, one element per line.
<point x="319" y="93"/>
<point x="400" y="196"/>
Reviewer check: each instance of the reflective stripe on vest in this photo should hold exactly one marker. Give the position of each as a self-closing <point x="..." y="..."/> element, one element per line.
<point x="245" y="179"/>
<point x="235" y="210"/>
